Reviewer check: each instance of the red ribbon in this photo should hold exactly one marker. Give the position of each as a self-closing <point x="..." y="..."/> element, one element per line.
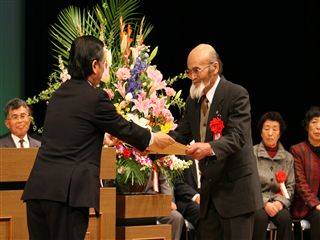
<point x="281" y="176"/>
<point x="155" y="178"/>
<point x="216" y="126"/>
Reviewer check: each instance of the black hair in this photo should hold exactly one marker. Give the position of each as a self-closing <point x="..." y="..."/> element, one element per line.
<point x="273" y="116"/>
<point x="312" y="112"/>
<point x="84" y="50"/>
<point x="13" y="104"/>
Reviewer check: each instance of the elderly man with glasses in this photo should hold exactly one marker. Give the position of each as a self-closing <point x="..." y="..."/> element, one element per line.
<point x="18" y="119"/>
<point x="217" y="117"/>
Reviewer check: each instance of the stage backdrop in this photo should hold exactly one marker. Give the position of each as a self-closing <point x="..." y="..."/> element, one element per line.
<point x="12" y="57"/>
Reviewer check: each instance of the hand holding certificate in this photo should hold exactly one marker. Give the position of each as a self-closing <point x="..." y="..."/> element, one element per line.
<point x="176" y="148"/>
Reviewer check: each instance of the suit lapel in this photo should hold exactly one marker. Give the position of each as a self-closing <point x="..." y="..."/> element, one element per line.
<point x="215" y="107"/>
<point x="32" y="142"/>
<point x="10" y="143"/>
<point x="194" y="172"/>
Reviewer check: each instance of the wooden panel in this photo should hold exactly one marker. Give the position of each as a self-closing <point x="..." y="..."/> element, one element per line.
<point x="104" y="226"/>
<point x="13" y="213"/>
<point x="6" y="228"/>
<point x="95" y="226"/>
<point x="108" y="163"/>
<point x="143" y="206"/>
<point x="108" y="207"/>
<point x="154" y="232"/>
<point x="16" y="163"/>
<point x="12" y="207"/>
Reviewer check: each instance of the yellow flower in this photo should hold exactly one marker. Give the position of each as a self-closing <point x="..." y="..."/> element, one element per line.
<point x="166" y="127"/>
<point x="118" y="108"/>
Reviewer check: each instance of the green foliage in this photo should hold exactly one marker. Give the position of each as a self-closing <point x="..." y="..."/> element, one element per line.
<point x="102" y="22"/>
<point x="117" y="24"/>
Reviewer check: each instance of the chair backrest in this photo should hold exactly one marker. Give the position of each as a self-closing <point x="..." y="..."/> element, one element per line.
<point x="305" y="224"/>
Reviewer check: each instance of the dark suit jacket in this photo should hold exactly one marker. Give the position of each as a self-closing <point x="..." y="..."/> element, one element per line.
<point x="6" y="141"/>
<point x="307" y="174"/>
<point x="230" y="178"/>
<point x="185" y="189"/>
<point x="67" y="166"/>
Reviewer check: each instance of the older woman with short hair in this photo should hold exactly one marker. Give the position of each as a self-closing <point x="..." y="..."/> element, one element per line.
<point x="273" y="159"/>
<point x="307" y="171"/>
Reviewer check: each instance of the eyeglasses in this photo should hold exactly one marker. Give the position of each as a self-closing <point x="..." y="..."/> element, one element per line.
<point x="196" y="70"/>
<point x="16" y="117"/>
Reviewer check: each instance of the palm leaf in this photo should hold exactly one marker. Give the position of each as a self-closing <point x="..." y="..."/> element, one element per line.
<point x="70" y="25"/>
<point x="102" y="22"/>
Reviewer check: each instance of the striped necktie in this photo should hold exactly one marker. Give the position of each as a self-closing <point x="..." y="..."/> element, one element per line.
<point x="21" y="143"/>
<point x="204" y="104"/>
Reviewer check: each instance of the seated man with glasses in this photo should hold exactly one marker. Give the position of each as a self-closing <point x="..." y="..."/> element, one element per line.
<point x="17" y="120"/>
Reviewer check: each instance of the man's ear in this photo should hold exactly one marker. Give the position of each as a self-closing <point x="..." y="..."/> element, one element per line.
<point x="6" y="122"/>
<point x="95" y="66"/>
<point x="216" y="67"/>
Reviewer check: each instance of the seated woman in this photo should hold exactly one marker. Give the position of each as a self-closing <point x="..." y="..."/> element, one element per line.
<point x="272" y="160"/>
<point x="307" y="171"/>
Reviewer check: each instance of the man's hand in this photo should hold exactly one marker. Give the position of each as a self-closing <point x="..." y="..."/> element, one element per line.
<point x="173" y="206"/>
<point x="162" y="140"/>
<point x="197" y="200"/>
<point x="110" y="140"/>
<point x="199" y="150"/>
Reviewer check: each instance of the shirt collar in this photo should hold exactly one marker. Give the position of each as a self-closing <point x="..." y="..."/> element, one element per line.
<point x="211" y="92"/>
<point x="93" y="85"/>
<point x="17" y="139"/>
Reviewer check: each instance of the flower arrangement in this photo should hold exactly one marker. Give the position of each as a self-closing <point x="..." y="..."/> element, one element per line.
<point x="135" y="86"/>
<point x="133" y="167"/>
<point x="171" y="167"/>
<point x="138" y="90"/>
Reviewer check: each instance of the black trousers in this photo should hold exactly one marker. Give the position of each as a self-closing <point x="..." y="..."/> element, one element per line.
<point x="215" y="227"/>
<point x="50" y="220"/>
<point x="314" y="218"/>
<point x="282" y="220"/>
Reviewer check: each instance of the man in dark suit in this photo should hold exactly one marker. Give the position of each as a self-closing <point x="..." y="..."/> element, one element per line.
<point x="230" y="191"/>
<point x="175" y="219"/>
<point x="64" y="181"/>
<point x="17" y="120"/>
<point x="187" y="193"/>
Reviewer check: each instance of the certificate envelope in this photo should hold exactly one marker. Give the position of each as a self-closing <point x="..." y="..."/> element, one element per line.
<point x="176" y="148"/>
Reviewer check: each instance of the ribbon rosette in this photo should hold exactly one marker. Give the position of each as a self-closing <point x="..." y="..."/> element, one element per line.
<point x="216" y="126"/>
<point x="155" y="178"/>
<point x="281" y="178"/>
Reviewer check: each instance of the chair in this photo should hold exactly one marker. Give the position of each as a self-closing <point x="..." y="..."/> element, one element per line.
<point x="304" y="225"/>
<point x="190" y="230"/>
<point x="273" y="230"/>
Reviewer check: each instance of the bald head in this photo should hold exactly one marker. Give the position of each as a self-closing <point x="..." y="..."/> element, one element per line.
<point x="203" y="53"/>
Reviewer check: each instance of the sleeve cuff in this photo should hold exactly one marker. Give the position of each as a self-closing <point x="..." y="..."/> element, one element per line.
<point x="151" y="138"/>
<point x="195" y="197"/>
